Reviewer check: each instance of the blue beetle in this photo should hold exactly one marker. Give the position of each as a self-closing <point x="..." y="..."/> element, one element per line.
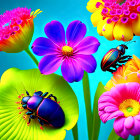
<point x="45" y="109"/>
<point x="113" y="58"/>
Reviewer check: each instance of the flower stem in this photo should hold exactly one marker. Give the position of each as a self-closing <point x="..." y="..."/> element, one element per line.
<point x="75" y="132"/>
<point x="87" y="99"/>
<point x="96" y="119"/>
<point x="114" y="136"/>
<point x="32" y="56"/>
<point x="137" y="137"/>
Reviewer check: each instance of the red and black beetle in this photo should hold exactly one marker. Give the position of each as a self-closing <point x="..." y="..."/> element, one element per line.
<point x="114" y="58"/>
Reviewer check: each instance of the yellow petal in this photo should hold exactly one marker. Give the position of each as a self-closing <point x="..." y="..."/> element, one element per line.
<point x="91" y="5"/>
<point x="96" y="17"/>
<point x="136" y="26"/>
<point x="100" y="27"/>
<point x="123" y="31"/>
<point x="108" y="31"/>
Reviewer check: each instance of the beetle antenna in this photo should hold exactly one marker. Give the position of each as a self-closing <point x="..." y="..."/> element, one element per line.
<point x="128" y="42"/>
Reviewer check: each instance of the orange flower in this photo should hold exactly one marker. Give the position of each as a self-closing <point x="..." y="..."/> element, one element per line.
<point x="115" y="19"/>
<point x="16" y="29"/>
<point x="130" y="72"/>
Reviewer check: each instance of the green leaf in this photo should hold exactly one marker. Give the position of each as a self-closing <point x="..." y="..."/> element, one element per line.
<point x="15" y="82"/>
<point x="87" y="99"/>
<point x="114" y="136"/>
<point x="96" y="119"/>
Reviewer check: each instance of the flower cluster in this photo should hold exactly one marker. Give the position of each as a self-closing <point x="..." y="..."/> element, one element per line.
<point x="16" y="29"/>
<point x="116" y="19"/>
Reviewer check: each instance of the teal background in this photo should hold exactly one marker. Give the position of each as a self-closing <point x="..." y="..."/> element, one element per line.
<point x="66" y="11"/>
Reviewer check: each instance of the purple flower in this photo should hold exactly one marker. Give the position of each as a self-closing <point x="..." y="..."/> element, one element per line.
<point x="75" y="55"/>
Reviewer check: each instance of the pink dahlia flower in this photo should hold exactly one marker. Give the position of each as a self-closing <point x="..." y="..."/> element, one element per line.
<point x="75" y="55"/>
<point x="122" y="103"/>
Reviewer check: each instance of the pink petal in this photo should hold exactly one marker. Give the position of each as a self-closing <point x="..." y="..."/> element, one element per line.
<point x="101" y="106"/>
<point x="104" y="117"/>
<point x="116" y="115"/>
<point x="136" y="129"/>
<point x="119" y="124"/>
<point x="110" y="109"/>
<point x="129" y="122"/>
<point x="107" y="99"/>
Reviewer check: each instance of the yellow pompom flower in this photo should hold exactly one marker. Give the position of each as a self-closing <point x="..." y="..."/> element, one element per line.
<point x="130" y="72"/>
<point x="115" y="19"/>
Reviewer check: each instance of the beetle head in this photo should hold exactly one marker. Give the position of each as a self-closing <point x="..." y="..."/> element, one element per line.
<point x="25" y="99"/>
<point x="121" y="48"/>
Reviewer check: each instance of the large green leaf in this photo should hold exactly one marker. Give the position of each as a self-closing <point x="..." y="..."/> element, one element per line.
<point x="15" y="82"/>
<point x="96" y="119"/>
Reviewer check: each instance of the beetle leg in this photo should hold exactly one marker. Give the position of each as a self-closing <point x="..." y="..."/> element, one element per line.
<point x="45" y="94"/>
<point x="27" y="93"/>
<point x="124" y="57"/>
<point x="51" y="95"/>
<point x="110" y="70"/>
<point x="24" y="106"/>
<point x="29" y="113"/>
<point x="40" y="121"/>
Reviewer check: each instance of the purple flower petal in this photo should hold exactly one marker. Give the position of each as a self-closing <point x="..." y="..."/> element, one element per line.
<point x="55" y="32"/>
<point x="87" y="62"/>
<point x="75" y="32"/>
<point x="43" y="46"/>
<point x="136" y="129"/>
<point x="49" y="64"/>
<point x="87" y="46"/>
<point x="104" y="117"/>
<point x="71" y="70"/>
<point x="119" y="124"/>
<point x="129" y="122"/>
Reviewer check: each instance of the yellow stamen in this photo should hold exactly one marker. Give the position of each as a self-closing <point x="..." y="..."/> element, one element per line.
<point x="130" y="107"/>
<point x="67" y="50"/>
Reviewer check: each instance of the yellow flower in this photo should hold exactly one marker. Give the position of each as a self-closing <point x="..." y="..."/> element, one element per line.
<point x="16" y="29"/>
<point x="115" y="19"/>
<point x="130" y="72"/>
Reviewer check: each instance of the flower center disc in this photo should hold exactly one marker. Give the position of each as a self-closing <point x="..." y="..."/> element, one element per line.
<point x="130" y="107"/>
<point x="67" y="50"/>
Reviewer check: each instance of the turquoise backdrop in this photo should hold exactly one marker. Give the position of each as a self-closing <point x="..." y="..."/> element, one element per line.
<point x="66" y="11"/>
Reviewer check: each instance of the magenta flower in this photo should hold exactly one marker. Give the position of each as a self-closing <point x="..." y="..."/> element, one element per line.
<point x="122" y="103"/>
<point x="75" y="55"/>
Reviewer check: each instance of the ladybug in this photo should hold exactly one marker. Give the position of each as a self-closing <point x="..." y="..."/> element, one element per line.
<point x="45" y="109"/>
<point x="114" y="58"/>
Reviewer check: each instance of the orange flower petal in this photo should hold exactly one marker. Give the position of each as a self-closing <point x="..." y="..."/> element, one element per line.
<point x="136" y="26"/>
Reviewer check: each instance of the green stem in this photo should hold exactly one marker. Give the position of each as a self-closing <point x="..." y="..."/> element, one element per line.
<point x="32" y="56"/>
<point x="114" y="136"/>
<point x="87" y="99"/>
<point x="137" y="137"/>
<point x="96" y="119"/>
<point x="75" y="132"/>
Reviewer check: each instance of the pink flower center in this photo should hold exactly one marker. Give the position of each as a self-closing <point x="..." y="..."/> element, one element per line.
<point x="67" y="50"/>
